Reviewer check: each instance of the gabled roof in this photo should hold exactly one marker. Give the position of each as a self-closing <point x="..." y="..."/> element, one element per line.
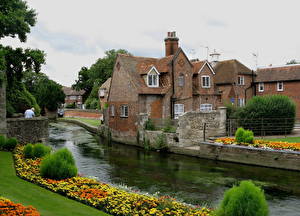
<point x="106" y="84"/>
<point x="227" y="71"/>
<point x="279" y="73"/>
<point x="69" y="91"/>
<point x="199" y="65"/>
<point x="146" y="64"/>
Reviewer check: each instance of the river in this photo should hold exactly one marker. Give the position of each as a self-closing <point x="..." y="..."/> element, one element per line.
<point x="189" y="179"/>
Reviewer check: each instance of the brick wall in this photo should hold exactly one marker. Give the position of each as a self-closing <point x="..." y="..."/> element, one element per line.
<point x="93" y="114"/>
<point x="290" y="89"/>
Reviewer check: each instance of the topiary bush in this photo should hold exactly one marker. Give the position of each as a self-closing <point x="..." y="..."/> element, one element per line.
<point x="239" y="135"/>
<point x="2" y="141"/>
<point x="40" y="150"/>
<point x="244" y="200"/>
<point x="59" y="165"/>
<point x="10" y="144"/>
<point x="248" y="137"/>
<point x="28" y="151"/>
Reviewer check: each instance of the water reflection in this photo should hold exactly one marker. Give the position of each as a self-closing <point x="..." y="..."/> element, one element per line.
<point x="189" y="179"/>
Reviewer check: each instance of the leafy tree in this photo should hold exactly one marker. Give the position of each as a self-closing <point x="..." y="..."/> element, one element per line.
<point x="293" y="61"/>
<point x="97" y="74"/>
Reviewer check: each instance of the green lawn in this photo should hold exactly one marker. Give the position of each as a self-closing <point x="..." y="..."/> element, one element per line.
<point x="287" y="139"/>
<point x="26" y="193"/>
<point x="92" y="122"/>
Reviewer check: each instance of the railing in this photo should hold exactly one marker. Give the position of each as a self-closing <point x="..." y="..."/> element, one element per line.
<point x="264" y="126"/>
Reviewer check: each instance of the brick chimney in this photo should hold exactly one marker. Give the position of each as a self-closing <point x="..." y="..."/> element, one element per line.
<point x="171" y="43"/>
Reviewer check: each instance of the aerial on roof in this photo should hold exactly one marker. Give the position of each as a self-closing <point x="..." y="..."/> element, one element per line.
<point x="69" y="91"/>
<point x="278" y="73"/>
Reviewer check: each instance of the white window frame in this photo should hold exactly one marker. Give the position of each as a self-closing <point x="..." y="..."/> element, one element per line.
<point x="241" y="80"/>
<point x="205" y="81"/>
<point x="150" y="77"/>
<point x="124" y="111"/>
<point x="102" y="92"/>
<point x="205" y="107"/>
<point x="178" y="110"/>
<point x="181" y="80"/>
<point x="112" y="110"/>
<point x="241" y="102"/>
<point x="261" y="87"/>
<point x="73" y="97"/>
<point x="278" y="86"/>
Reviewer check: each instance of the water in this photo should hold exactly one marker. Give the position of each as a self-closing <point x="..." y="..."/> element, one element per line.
<point x="189" y="179"/>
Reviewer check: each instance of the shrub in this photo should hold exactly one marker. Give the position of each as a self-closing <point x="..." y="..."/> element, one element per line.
<point x="28" y="151"/>
<point x="239" y="135"/>
<point x="10" y="144"/>
<point x="40" y="150"/>
<point x="2" y="141"/>
<point x="248" y="137"/>
<point x="271" y="114"/>
<point x="244" y="200"/>
<point x="59" y="165"/>
<point x="168" y="127"/>
<point x="71" y="106"/>
<point x="161" y="142"/>
<point x="149" y="125"/>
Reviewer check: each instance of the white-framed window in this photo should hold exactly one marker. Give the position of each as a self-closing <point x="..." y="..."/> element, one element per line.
<point x="241" y="80"/>
<point x="241" y="102"/>
<point x="205" y="81"/>
<point x="153" y="78"/>
<point x="124" y="111"/>
<point x="279" y="86"/>
<point x="178" y="110"/>
<point x="181" y="80"/>
<point x="205" y="107"/>
<point x="73" y="97"/>
<point x="112" y="110"/>
<point x="102" y="92"/>
<point x="261" y="87"/>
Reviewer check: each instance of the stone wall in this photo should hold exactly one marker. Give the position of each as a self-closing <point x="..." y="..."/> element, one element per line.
<point x="28" y="130"/>
<point x="191" y="126"/>
<point x="93" y="114"/>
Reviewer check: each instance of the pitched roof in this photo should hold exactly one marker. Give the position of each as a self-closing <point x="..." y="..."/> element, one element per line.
<point x="106" y="84"/>
<point x="281" y="73"/>
<point x="227" y="71"/>
<point x="197" y="66"/>
<point x="69" y="91"/>
<point x="160" y="64"/>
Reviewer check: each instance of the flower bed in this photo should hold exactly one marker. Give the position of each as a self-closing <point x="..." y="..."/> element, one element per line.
<point x="263" y="144"/>
<point x="103" y="196"/>
<point x="9" y="208"/>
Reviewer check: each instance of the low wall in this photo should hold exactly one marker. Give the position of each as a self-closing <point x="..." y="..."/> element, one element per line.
<point x="242" y="154"/>
<point x="93" y="114"/>
<point x="89" y="128"/>
<point x="28" y="130"/>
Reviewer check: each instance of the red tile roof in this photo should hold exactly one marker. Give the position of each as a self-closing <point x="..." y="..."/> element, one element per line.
<point x="282" y="73"/>
<point x="69" y="91"/>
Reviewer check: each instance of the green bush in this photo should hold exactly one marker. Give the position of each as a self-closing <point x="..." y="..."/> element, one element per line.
<point x="239" y="135"/>
<point x="248" y="137"/>
<point x="10" y="144"/>
<point x="168" y="127"/>
<point x="71" y="106"/>
<point x="28" y="151"/>
<point x="270" y="114"/>
<point x="59" y="165"/>
<point x="149" y="125"/>
<point x="243" y="200"/>
<point x="161" y="142"/>
<point x="40" y="150"/>
<point x="2" y="141"/>
<point x="92" y="103"/>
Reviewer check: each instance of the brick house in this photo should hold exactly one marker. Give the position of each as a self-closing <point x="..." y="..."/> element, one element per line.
<point x="73" y="96"/>
<point x="170" y="86"/>
<point x="282" y="80"/>
<point x="103" y="92"/>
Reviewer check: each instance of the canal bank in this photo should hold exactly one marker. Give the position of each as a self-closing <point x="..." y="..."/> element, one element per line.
<point x="189" y="179"/>
<point x="281" y="159"/>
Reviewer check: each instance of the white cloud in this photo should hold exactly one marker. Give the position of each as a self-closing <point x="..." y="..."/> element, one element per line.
<point x="76" y="33"/>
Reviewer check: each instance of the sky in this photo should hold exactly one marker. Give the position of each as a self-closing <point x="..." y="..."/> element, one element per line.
<point x="76" y="33"/>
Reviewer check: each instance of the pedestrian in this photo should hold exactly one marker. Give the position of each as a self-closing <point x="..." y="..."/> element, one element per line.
<point x="29" y="113"/>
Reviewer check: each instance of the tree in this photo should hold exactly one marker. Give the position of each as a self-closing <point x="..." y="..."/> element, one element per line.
<point x="98" y="73"/>
<point x="16" y="18"/>
<point x="293" y="61"/>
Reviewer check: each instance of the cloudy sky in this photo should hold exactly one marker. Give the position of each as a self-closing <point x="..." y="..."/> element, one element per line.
<point x="77" y="33"/>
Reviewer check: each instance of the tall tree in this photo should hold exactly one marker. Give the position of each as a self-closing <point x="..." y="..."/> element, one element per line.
<point x="16" y="18"/>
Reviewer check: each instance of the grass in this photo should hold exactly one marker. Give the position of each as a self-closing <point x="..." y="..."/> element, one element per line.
<point x="92" y="122"/>
<point x="286" y="139"/>
<point x="26" y="193"/>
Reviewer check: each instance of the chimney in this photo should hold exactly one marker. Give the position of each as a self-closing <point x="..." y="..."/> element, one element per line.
<point x="171" y="43"/>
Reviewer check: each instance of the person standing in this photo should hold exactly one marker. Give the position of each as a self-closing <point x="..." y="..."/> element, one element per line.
<point x="29" y="113"/>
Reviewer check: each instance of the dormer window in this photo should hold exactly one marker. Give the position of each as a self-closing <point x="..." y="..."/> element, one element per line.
<point x="205" y="81"/>
<point x="153" y="78"/>
<point x="102" y="92"/>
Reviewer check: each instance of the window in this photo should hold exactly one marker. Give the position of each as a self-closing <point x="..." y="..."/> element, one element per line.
<point x="102" y="92"/>
<point x="205" y="107"/>
<point x="205" y="81"/>
<point x="112" y="110"/>
<point x="279" y="86"/>
<point x="153" y="78"/>
<point x="178" y="110"/>
<point x="73" y="97"/>
<point x="124" y="111"/>
<point x="241" y="102"/>
<point x="181" y="80"/>
<point x="261" y="87"/>
<point x="241" y="80"/>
